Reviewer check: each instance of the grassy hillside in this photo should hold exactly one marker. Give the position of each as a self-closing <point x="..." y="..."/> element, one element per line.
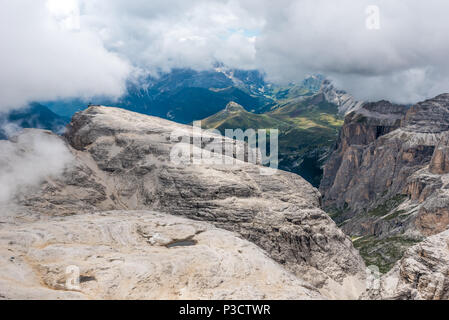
<point x="307" y="129"/>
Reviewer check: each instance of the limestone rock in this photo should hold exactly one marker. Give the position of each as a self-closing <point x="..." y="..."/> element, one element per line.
<point x="278" y="212"/>
<point x="356" y="150"/>
<point x="423" y="273"/>
<point x="233" y="107"/>
<point x="386" y="182"/>
<point x="137" y="255"/>
<point x="345" y="102"/>
<point x="430" y="116"/>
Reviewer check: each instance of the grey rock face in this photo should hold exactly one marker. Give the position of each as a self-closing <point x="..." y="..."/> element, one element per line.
<point x="422" y="274"/>
<point x="233" y="107"/>
<point x="440" y="159"/>
<point x="122" y="161"/>
<point x="386" y="180"/>
<point x="354" y="150"/>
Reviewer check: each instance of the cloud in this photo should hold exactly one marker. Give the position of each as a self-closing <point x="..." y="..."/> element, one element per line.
<point x="47" y="55"/>
<point x="89" y="47"/>
<point x="26" y="162"/>
<point x="405" y="60"/>
<point x="161" y="35"/>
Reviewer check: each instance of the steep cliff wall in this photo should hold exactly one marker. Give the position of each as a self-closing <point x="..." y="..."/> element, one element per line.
<point x="422" y="274"/>
<point x="385" y="183"/>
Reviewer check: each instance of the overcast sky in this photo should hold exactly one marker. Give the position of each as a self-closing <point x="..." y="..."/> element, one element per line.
<point x="81" y="48"/>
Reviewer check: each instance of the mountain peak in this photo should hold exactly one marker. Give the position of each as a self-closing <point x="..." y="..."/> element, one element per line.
<point x="234" y="107"/>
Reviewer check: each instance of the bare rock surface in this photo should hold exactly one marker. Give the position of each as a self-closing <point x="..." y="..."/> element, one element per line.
<point x="138" y="255"/>
<point x="440" y="159"/>
<point x="422" y="274"/>
<point x="345" y="102"/>
<point x="387" y="181"/>
<point x="121" y="161"/>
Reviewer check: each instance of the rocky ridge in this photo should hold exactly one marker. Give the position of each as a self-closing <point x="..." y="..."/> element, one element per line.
<point x="122" y="162"/>
<point x="121" y="196"/>
<point x="422" y="273"/>
<point x="345" y="102"/>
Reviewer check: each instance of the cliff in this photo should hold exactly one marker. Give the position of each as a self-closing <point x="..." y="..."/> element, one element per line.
<point x="385" y="183"/>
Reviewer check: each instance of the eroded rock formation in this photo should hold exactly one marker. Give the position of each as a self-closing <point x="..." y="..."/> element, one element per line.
<point x="137" y="255"/>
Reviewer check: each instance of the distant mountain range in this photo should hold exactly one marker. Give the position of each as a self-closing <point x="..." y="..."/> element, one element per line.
<point x="34" y="116"/>
<point x="308" y="114"/>
<point x="185" y="95"/>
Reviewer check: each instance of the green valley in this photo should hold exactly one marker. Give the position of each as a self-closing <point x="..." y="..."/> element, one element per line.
<point x="308" y="127"/>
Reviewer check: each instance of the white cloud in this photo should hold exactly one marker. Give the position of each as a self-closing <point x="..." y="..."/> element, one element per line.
<point x="79" y="47"/>
<point x="405" y="60"/>
<point x="25" y="163"/>
<point x="44" y="58"/>
<point x="67" y="12"/>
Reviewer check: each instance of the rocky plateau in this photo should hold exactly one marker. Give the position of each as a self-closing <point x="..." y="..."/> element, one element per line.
<point x="121" y="160"/>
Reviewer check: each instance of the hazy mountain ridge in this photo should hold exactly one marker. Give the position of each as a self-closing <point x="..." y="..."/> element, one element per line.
<point x="307" y="128"/>
<point x="183" y="95"/>
<point x="308" y="114"/>
<point x="308" y="121"/>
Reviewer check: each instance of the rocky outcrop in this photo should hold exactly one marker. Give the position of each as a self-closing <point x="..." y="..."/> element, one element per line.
<point x="354" y="151"/>
<point x="434" y="221"/>
<point x="440" y="159"/>
<point x="345" y="102"/>
<point x="430" y="116"/>
<point x="422" y="274"/>
<point x="123" y="161"/>
<point x="137" y="255"/>
<point x="233" y="107"/>
<point x="386" y="180"/>
<point x="278" y="212"/>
